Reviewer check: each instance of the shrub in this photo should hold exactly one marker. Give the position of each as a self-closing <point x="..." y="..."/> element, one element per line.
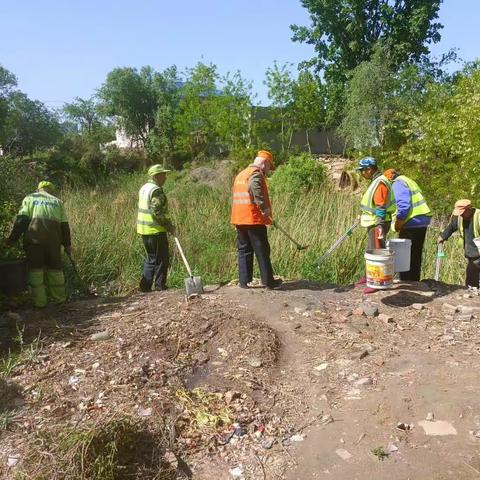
<point x="300" y="174"/>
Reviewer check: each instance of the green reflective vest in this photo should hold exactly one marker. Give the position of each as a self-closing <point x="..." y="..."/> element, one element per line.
<point x="46" y="213"/>
<point x="419" y="205"/>
<point x="43" y="205"/>
<point x="367" y="206"/>
<point x="146" y="222"/>
<point x="476" y="225"/>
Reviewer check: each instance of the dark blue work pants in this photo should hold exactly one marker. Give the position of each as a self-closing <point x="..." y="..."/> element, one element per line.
<point x="253" y="239"/>
<point x="155" y="268"/>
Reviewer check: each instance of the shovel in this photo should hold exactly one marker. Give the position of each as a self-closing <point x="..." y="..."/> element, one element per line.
<point x="193" y="285"/>
<point x="299" y="247"/>
<point x="337" y="243"/>
<point x="438" y="263"/>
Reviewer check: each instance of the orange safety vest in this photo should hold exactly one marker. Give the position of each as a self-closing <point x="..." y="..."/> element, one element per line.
<point x="244" y="210"/>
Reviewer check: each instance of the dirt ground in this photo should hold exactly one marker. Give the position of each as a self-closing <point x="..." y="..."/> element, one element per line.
<point x="313" y="379"/>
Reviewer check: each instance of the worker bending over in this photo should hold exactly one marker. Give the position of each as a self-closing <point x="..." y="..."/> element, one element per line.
<point x="466" y="220"/>
<point x="43" y="223"/>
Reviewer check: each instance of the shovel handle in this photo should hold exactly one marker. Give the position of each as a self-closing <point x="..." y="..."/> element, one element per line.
<point x="180" y="249"/>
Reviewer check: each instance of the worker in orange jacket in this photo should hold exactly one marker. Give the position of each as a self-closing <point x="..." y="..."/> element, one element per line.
<point x="251" y="213"/>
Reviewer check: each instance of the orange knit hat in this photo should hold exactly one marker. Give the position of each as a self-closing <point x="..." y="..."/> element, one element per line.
<point x="267" y="155"/>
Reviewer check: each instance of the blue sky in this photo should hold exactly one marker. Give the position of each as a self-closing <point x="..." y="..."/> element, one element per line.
<point x="60" y="49"/>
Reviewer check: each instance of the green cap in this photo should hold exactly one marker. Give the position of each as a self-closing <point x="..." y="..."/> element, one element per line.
<point x="45" y="184"/>
<point x="155" y="169"/>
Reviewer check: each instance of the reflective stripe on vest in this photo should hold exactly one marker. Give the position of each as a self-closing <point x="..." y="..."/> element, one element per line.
<point x="244" y="210"/>
<point x="146" y="223"/>
<point x="367" y="205"/>
<point x="476" y="225"/>
<point x="419" y="205"/>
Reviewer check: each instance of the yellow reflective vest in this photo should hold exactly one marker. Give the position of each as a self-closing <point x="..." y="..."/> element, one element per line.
<point x="367" y="205"/>
<point x="419" y="205"/>
<point x="476" y="225"/>
<point x="146" y="222"/>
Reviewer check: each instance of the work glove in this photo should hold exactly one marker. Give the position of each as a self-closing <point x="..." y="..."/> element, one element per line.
<point x="399" y="224"/>
<point x="68" y="250"/>
<point x="440" y="240"/>
<point x="172" y="231"/>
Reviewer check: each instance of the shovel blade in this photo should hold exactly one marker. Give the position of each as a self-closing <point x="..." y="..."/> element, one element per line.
<point x="193" y="286"/>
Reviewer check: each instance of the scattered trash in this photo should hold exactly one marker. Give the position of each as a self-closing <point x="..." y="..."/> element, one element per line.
<point x="404" y="426"/>
<point x="144" y="412"/>
<point x="475" y="433"/>
<point x="255" y="362"/>
<point x="343" y="454"/>
<point x="438" y="428"/>
<point x="364" y="381"/>
<point x="297" y="437"/>
<point x="268" y="442"/>
<point x="386" y="318"/>
<point x="12" y="460"/>
<point x="321" y="367"/>
<point x="430" y="417"/>
<point x="236" y="472"/>
<point x="391" y="448"/>
<point x="418" y="306"/>
<point x="73" y="381"/>
<point x="370" y="310"/>
<point x="100" y="336"/>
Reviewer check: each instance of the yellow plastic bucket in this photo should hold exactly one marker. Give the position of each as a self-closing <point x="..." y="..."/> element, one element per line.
<point x="380" y="268"/>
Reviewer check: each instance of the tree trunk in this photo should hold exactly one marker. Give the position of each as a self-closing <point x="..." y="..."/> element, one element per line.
<point x="308" y="141"/>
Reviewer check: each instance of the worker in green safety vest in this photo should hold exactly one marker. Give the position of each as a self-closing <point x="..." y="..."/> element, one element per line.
<point x="153" y="223"/>
<point x="466" y="220"/>
<point x="376" y="208"/>
<point x="43" y="223"/>
<point x="411" y="219"/>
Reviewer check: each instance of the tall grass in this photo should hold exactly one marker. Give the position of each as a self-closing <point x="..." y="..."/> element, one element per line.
<point x="109" y="252"/>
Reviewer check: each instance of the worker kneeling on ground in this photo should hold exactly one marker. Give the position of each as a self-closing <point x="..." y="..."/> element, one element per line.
<point x="251" y="213"/>
<point x="43" y="223"/>
<point x="411" y="219"/>
<point x="377" y="206"/>
<point x="153" y="223"/>
<point x="466" y="220"/>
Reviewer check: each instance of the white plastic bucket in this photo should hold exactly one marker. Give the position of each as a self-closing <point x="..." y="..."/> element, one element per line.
<point x="379" y="268"/>
<point x="402" y="248"/>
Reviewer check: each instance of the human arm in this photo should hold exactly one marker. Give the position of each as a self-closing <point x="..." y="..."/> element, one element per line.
<point x="452" y="227"/>
<point x="159" y="206"/>
<point x="380" y="200"/>
<point x="403" y="201"/>
<point x="255" y="188"/>
<point x="22" y="221"/>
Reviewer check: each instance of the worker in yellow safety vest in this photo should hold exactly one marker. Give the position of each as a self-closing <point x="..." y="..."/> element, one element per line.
<point x="466" y="220"/>
<point x="411" y="219"/>
<point x="43" y="223"/>
<point x="153" y="223"/>
<point x="376" y="208"/>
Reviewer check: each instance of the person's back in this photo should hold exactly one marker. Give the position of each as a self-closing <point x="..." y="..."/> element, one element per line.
<point x="46" y="213"/>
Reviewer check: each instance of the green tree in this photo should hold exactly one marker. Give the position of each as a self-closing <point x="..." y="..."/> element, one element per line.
<point x="280" y="91"/>
<point x="7" y="82"/>
<point x="345" y="33"/>
<point x="309" y="108"/>
<point x="29" y="126"/>
<point x="129" y="95"/>
<point x="84" y="112"/>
